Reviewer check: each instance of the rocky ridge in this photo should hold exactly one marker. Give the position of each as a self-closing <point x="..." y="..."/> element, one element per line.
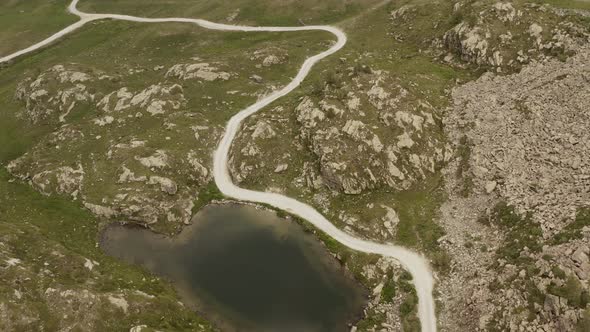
<point x="141" y="184"/>
<point x="353" y="155"/>
<point x="507" y="35"/>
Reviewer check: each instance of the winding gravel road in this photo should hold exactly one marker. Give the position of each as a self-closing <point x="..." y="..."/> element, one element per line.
<point x="416" y="264"/>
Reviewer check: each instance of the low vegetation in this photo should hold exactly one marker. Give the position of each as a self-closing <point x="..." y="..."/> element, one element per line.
<point x="55" y="243"/>
<point x="571" y="290"/>
<point x="464" y="168"/>
<point x="23" y="23"/>
<point x="573" y="230"/>
<point x="521" y="232"/>
<point x="254" y="12"/>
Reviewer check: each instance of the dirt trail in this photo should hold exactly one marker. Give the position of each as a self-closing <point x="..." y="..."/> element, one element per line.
<point x="416" y="264"/>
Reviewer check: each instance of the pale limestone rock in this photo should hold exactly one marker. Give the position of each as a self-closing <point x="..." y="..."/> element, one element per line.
<point x="281" y="168"/>
<point x="129" y="176"/>
<point x="12" y="261"/>
<point x="138" y="328"/>
<point x="104" y="120"/>
<point x="353" y="103"/>
<point x="354" y="128"/>
<point x="490" y="186"/>
<point x="119" y="302"/>
<point x="197" y="165"/>
<point x="307" y="114"/>
<point x="404" y="141"/>
<point x="390" y="220"/>
<point x="271" y="60"/>
<point x="166" y="185"/>
<point x="157" y="160"/>
<point x="263" y="130"/>
<point x="101" y="211"/>
<point x="201" y="71"/>
<point x="506" y="11"/>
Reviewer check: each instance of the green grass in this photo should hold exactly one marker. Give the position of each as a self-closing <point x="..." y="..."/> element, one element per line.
<point x="258" y="12"/>
<point x="573" y="230"/>
<point x="566" y="4"/>
<point x="389" y="289"/>
<point x="520" y="232"/>
<point x="26" y="22"/>
<point x="207" y="195"/>
<point x="584" y="322"/>
<point x="52" y="224"/>
<point x="110" y="47"/>
<point x="408" y="309"/>
<point x="418" y="211"/>
<point x="464" y="168"/>
<point x="572" y="290"/>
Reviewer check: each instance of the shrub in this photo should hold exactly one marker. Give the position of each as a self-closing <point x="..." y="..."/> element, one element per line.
<point x="521" y="232"/>
<point x="572" y="291"/>
<point x="573" y="230"/>
<point x="463" y="170"/>
<point x="584" y="323"/>
<point x="333" y="80"/>
<point x="359" y="68"/>
<point x="389" y="291"/>
<point x="317" y="89"/>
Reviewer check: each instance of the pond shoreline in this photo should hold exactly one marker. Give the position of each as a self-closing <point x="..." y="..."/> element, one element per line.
<point x="329" y="259"/>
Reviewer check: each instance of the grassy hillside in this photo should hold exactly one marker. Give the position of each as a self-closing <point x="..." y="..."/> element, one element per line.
<point x="49" y="240"/>
<point x="24" y="22"/>
<point x="265" y="12"/>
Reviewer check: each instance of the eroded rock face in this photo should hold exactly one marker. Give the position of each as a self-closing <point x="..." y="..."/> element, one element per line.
<point x="469" y="42"/>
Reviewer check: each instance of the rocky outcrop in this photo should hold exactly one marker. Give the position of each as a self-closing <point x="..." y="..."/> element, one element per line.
<point x="156" y="99"/>
<point x="375" y="136"/>
<point x="55" y="92"/>
<point x="269" y="57"/>
<point x="508" y="35"/>
<point x="199" y="71"/>
<point x="356" y="154"/>
<point x="120" y="176"/>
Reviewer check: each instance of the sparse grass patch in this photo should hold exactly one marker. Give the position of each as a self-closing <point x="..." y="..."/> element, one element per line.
<point x="254" y="12"/>
<point x="464" y="167"/>
<point x="573" y="230"/>
<point x="571" y="290"/>
<point x="58" y="234"/>
<point x="584" y="322"/>
<point x="409" y="307"/>
<point x="520" y="232"/>
<point x="567" y="4"/>
<point x="207" y="194"/>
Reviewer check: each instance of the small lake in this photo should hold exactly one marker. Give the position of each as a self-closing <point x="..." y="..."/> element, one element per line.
<point x="247" y="270"/>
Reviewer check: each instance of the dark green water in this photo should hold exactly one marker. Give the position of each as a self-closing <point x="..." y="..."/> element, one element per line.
<point x="247" y="270"/>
